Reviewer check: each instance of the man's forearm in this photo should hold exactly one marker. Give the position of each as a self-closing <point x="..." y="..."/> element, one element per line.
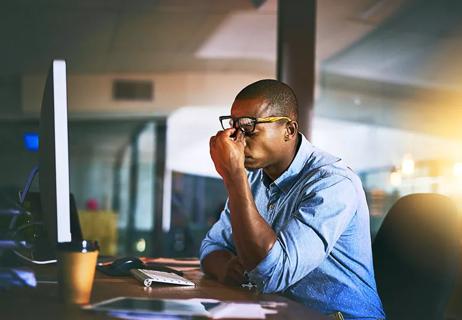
<point x="252" y="235"/>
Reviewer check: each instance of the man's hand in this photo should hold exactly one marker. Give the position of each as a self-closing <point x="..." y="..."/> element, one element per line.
<point x="224" y="266"/>
<point x="227" y="152"/>
<point x="233" y="272"/>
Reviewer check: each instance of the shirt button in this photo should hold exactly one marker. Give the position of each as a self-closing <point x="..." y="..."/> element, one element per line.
<point x="271" y="206"/>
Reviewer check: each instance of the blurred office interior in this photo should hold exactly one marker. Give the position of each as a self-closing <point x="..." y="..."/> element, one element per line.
<point x="147" y="81"/>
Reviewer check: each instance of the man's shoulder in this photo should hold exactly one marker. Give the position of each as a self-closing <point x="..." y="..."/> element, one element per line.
<point x="324" y="168"/>
<point x="327" y="163"/>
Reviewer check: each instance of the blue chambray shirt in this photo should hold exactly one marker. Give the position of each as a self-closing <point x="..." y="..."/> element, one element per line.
<point x="322" y="256"/>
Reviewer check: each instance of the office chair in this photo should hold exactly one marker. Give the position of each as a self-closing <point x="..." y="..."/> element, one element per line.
<point x="416" y="257"/>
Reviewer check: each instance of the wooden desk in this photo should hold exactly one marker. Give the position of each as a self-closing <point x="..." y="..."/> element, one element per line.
<point x="43" y="301"/>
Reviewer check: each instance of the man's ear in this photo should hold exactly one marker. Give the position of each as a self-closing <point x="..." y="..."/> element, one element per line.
<point x="291" y="130"/>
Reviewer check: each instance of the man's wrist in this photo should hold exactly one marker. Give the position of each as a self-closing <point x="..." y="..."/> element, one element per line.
<point x="235" y="178"/>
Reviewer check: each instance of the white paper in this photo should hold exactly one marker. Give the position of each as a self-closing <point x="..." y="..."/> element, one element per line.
<point x="240" y="311"/>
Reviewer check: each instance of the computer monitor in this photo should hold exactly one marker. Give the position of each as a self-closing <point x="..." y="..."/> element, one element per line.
<point x="54" y="155"/>
<point x="51" y="213"/>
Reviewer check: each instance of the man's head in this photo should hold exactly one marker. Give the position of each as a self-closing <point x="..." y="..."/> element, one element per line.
<point x="271" y="145"/>
<point x="280" y="97"/>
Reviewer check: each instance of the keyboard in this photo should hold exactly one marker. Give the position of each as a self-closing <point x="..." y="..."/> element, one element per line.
<point x="147" y="277"/>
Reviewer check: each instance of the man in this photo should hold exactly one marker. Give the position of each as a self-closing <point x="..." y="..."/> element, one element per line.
<point x="298" y="222"/>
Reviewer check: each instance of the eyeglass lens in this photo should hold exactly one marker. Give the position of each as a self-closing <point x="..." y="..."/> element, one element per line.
<point x="247" y="125"/>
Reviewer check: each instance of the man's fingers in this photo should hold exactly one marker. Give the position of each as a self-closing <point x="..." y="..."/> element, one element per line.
<point x="212" y="140"/>
<point x="226" y="133"/>
<point x="237" y="266"/>
<point x="229" y="132"/>
<point x="240" y="136"/>
<point x="235" y="271"/>
<point x="235" y="277"/>
<point x="238" y="277"/>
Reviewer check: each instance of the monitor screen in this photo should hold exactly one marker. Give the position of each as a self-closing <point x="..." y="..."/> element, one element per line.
<point x="53" y="155"/>
<point x="31" y="141"/>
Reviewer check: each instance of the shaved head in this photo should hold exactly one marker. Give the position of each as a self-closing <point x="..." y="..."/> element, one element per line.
<point x="280" y="97"/>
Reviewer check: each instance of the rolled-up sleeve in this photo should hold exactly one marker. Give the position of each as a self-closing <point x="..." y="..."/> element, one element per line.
<point x="308" y="237"/>
<point x="219" y="236"/>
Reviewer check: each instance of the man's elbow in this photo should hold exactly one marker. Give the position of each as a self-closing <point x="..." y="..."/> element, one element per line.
<point x="254" y="257"/>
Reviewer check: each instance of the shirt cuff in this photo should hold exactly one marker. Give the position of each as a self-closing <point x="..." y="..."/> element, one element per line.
<point x="261" y="274"/>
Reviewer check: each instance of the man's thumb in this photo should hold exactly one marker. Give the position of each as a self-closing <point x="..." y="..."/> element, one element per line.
<point x="240" y="137"/>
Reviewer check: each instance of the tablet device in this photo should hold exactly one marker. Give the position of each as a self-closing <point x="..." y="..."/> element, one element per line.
<point x="149" y="306"/>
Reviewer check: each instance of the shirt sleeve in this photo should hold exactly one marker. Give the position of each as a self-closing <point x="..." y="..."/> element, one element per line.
<point x="219" y="236"/>
<point x="309" y="236"/>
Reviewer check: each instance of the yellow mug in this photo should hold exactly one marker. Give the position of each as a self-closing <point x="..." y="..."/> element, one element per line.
<point x="76" y="270"/>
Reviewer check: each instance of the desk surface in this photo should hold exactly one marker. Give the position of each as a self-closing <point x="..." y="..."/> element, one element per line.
<point x="43" y="301"/>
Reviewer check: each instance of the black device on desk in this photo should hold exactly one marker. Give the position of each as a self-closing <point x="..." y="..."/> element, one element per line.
<point x="122" y="267"/>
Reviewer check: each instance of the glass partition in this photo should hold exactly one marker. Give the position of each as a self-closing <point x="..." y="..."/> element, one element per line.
<point x="112" y="177"/>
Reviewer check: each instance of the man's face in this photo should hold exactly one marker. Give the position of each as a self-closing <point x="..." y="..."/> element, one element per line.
<point x="265" y="146"/>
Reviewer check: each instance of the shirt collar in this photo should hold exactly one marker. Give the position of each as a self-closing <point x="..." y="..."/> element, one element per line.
<point x="284" y="181"/>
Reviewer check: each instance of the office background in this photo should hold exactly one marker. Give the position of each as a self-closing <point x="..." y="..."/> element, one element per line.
<point x="147" y="81"/>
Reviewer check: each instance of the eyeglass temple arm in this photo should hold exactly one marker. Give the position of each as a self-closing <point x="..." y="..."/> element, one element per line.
<point x="272" y="119"/>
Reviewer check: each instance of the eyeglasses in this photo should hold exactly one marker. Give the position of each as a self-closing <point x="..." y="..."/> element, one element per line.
<point x="247" y="124"/>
